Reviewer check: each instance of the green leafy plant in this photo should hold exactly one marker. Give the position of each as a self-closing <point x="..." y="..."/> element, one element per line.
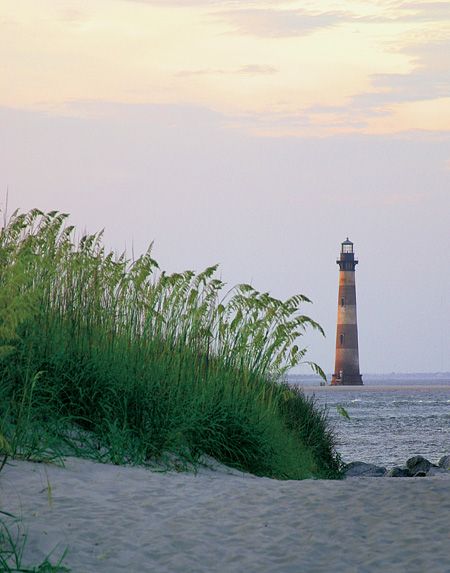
<point x="342" y="411"/>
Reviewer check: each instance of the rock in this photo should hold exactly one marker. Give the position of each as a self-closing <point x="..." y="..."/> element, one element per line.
<point x="418" y="464"/>
<point x="398" y="472"/>
<point x="433" y="471"/>
<point x="420" y="474"/>
<point x="361" y="469"/>
<point x="444" y="462"/>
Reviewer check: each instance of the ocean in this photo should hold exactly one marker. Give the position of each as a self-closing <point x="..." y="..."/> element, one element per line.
<point x="392" y="417"/>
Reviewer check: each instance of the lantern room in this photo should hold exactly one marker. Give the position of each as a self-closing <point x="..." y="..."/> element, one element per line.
<point x="347" y="247"/>
<point x="346" y="259"/>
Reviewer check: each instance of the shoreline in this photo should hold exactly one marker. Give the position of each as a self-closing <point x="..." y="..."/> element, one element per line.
<point x="118" y="518"/>
<point x="376" y="388"/>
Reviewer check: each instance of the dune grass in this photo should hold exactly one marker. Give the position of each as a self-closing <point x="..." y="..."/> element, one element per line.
<point x="13" y="541"/>
<point x="105" y="357"/>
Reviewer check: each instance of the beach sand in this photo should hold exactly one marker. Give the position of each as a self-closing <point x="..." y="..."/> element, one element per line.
<point x="128" y="519"/>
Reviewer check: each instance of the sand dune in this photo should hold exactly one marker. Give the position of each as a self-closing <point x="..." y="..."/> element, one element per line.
<point x="131" y="519"/>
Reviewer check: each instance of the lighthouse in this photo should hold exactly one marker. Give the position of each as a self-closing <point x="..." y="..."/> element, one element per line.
<point x="346" y="369"/>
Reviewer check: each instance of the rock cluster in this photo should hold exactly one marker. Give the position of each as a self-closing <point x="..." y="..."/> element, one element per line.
<point x="417" y="466"/>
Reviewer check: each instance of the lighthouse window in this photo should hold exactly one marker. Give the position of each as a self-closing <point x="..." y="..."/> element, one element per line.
<point x="341" y="338"/>
<point x="347" y="248"/>
<point x="342" y="301"/>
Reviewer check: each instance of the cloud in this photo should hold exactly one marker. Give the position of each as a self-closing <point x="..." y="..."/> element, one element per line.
<point x="209" y="3"/>
<point x="247" y="70"/>
<point x="429" y="80"/>
<point x="425" y="11"/>
<point x="268" y="18"/>
<point x="275" y="22"/>
<point x="72" y="16"/>
<point x="251" y="69"/>
<point x="280" y="23"/>
<point x="8" y="23"/>
<point x="423" y="84"/>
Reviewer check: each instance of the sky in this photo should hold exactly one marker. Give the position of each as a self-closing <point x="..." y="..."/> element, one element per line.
<point x="253" y="134"/>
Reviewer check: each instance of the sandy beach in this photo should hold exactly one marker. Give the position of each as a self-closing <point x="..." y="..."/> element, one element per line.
<point x="113" y="518"/>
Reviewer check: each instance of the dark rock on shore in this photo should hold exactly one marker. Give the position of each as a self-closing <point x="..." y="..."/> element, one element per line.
<point x="436" y="471"/>
<point x="399" y="472"/>
<point x="362" y="469"/>
<point x="444" y="463"/>
<point x="418" y="465"/>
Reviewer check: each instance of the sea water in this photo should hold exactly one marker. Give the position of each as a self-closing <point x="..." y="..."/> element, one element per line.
<point x="391" y="418"/>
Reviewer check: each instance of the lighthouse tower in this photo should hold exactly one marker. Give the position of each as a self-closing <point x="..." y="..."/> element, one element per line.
<point x="346" y="369"/>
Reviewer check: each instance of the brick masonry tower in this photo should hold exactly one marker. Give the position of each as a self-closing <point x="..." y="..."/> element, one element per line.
<point x="346" y="369"/>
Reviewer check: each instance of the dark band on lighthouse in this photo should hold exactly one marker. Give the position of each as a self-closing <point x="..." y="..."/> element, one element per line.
<point x="346" y="369"/>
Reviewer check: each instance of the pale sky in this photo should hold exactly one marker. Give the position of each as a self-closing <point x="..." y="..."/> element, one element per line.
<point x="254" y="134"/>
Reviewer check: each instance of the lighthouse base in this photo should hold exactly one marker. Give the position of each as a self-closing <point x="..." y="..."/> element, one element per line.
<point x="346" y="380"/>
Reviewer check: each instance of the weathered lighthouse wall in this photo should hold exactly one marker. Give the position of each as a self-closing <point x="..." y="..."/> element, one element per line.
<point x="346" y="370"/>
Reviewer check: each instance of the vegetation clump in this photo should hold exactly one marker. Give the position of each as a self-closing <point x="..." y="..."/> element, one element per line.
<point x="13" y="541"/>
<point x="106" y="357"/>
